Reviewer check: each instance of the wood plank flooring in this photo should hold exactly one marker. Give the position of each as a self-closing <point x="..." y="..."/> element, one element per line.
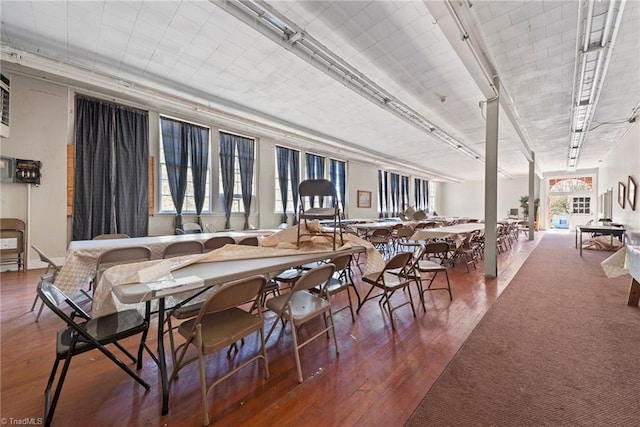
<point x="378" y="378"/>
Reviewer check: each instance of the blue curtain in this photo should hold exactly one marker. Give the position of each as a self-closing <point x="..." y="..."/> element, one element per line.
<point x="337" y="175"/>
<point x="294" y="172"/>
<point x="110" y="139"/>
<point x="380" y="194"/>
<point x="426" y="197"/>
<point x="315" y="170"/>
<point x="395" y="193"/>
<point x="198" y="138"/>
<point x="176" y="152"/>
<point x="131" y="172"/>
<point x="404" y="192"/>
<point x="246" y="159"/>
<point x="282" y="165"/>
<point x="227" y="156"/>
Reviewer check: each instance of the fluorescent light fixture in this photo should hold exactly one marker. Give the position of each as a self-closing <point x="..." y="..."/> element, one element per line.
<point x="593" y="54"/>
<point x="279" y="28"/>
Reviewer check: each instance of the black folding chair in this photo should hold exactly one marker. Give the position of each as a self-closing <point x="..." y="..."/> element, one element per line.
<point x="88" y="334"/>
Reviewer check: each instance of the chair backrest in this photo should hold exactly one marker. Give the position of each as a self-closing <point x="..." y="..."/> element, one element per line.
<point x="191" y="227"/>
<point x="398" y="261"/>
<point x="179" y="231"/>
<point x="418" y="215"/>
<point x="341" y="262"/>
<point x="405" y="232"/>
<point x="124" y="255"/>
<point x="218" y="242"/>
<point x="183" y="248"/>
<point x="249" y="241"/>
<point x="111" y="236"/>
<point x="52" y="267"/>
<point x="233" y="294"/>
<point x="380" y="232"/>
<point x="317" y="187"/>
<point x="318" y="276"/>
<point x="53" y="298"/>
<point x="437" y="248"/>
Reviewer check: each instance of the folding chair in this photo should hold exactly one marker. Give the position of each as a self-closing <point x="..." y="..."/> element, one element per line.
<point x="111" y="236"/>
<point x="395" y="275"/>
<point x="340" y="281"/>
<point x="183" y="248"/>
<point x="221" y="323"/>
<point x="299" y="306"/>
<point x="217" y="242"/>
<point x="88" y="334"/>
<point x="49" y="275"/>
<point x="322" y="188"/>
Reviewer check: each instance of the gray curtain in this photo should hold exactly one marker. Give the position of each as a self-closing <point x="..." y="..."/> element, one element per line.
<point x="380" y="195"/>
<point x="246" y="159"/>
<point x="315" y="170"/>
<point x="404" y="192"/>
<point x="111" y="169"/>
<point x="176" y="157"/>
<point x="395" y="192"/>
<point x="416" y="193"/>
<point x="282" y="165"/>
<point x="227" y="156"/>
<point x="426" y="196"/>
<point x="337" y="175"/>
<point x="294" y="172"/>
<point x="131" y="172"/>
<point x="198" y="138"/>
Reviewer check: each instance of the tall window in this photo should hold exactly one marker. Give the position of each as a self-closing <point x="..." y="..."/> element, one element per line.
<point x="237" y="159"/>
<point x="184" y="143"/>
<point x="404" y="193"/>
<point x="287" y="180"/>
<point x="383" y="194"/>
<point x="431" y="196"/>
<point x="315" y="166"/>
<point x="421" y="194"/>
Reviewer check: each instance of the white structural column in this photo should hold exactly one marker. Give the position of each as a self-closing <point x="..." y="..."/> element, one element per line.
<point x="491" y="186"/>
<point x="532" y="200"/>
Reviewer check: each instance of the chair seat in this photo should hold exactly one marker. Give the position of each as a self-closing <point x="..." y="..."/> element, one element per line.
<point x="187" y="311"/>
<point x="106" y="329"/>
<point x="304" y="305"/>
<point x="426" y="266"/>
<point x="319" y="213"/>
<point x="391" y="280"/>
<point x="222" y="329"/>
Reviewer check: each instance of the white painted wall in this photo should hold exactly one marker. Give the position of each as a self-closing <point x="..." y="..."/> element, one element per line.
<point x="621" y="162"/>
<point x="467" y="199"/>
<point x="42" y="116"/>
<point x="39" y="131"/>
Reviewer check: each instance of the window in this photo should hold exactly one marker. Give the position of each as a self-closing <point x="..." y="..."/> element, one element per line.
<point x="581" y="205"/>
<point x="166" y="200"/>
<point x="315" y="166"/>
<point x="431" y="207"/>
<point x="383" y="194"/>
<point x="570" y="185"/>
<point x="236" y="206"/>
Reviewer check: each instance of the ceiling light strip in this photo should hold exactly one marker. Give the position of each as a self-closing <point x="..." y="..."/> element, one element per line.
<point x="584" y="106"/>
<point x="258" y="13"/>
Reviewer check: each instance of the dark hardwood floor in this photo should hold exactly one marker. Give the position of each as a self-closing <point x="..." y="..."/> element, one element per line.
<point x="378" y="378"/>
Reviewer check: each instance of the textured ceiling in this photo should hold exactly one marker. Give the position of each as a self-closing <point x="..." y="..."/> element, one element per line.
<point x="197" y="48"/>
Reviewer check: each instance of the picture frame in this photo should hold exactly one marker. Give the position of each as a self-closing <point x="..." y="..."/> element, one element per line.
<point x="631" y="193"/>
<point x="364" y="199"/>
<point x="621" y="194"/>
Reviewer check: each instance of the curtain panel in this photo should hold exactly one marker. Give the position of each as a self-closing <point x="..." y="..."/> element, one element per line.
<point x="245" y="147"/>
<point x="176" y="158"/>
<point x="111" y="169"/>
<point x="282" y="167"/>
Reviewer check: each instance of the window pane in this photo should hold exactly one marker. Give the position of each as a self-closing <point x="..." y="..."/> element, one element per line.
<point x="189" y="205"/>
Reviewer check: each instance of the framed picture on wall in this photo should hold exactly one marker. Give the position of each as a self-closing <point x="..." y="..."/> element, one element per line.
<point x="621" y="194"/>
<point x="631" y="193"/>
<point x="364" y="199"/>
